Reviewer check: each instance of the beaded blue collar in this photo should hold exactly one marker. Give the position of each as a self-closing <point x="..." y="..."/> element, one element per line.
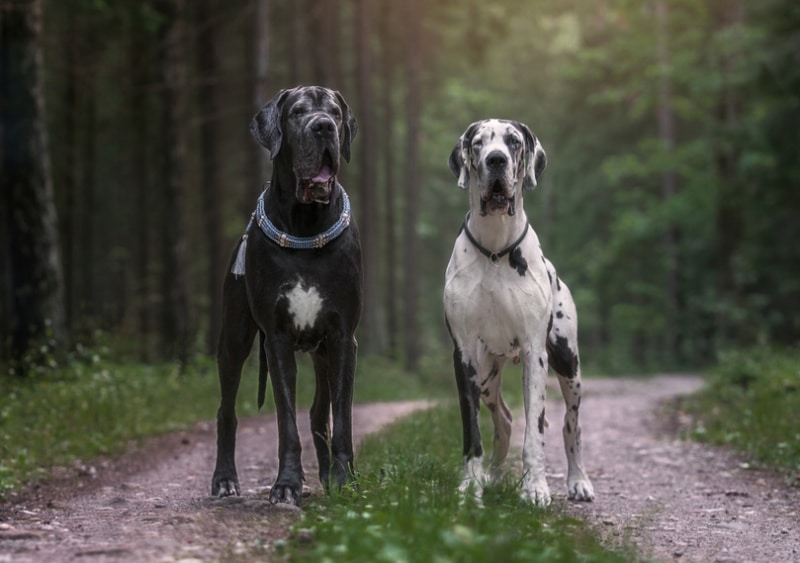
<point x="285" y="240"/>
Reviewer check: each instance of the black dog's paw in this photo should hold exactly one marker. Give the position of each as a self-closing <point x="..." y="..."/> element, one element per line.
<point x="285" y="494"/>
<point x="224" y="487"/>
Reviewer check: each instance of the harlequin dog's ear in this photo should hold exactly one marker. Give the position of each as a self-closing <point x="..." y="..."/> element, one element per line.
<point x="461" y="156"/>
<point x="535" y="157"/>
<point x="266" y="125"/>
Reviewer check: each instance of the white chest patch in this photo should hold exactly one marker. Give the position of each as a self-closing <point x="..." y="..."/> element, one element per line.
<point x="305" y="303"/>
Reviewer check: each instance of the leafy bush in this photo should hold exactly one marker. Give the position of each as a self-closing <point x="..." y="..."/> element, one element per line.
<point x="751" y="402"/>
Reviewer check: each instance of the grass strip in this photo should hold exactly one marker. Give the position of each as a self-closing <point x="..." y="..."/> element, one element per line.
<point x="407" y="508"/>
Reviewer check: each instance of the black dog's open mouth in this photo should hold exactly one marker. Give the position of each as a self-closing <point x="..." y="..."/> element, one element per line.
<point x="495" y="201"/>
<point x="318" y="188"/>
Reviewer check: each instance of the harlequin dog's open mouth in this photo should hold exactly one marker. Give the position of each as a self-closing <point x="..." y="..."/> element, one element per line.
<point x="495" y="201"/>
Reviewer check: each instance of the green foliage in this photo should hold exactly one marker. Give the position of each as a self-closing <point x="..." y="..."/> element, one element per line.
<point x="95" y="406"/>
<point x="751" y="403"/>
<point x="661" y="281"/>
<point x="407" y="508"/>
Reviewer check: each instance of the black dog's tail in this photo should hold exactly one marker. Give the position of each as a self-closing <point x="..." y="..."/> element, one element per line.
<point x="263" y="369"/>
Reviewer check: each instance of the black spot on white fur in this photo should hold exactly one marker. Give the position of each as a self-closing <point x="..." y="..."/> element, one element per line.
<point x="517" y="261"/>
<point x="561" y="357"/>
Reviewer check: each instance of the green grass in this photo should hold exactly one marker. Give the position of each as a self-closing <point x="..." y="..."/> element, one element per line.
<point x="752" y="403"/>
<point x="94" y="405"/>
<point x="407" y="508"/>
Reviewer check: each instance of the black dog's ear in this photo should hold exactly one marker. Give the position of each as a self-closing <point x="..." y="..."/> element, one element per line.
<point x="266" y="125"/>
<point x="461" y="157"/>
<point x="535" y="157"/>
<point x="349" y="126"/>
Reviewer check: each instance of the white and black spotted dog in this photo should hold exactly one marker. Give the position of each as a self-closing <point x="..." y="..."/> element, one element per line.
<point x="503" y="301"/>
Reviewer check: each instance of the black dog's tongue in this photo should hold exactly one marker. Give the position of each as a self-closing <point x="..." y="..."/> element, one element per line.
<point x="318" y="188"/>
<point x="323" y="176"/>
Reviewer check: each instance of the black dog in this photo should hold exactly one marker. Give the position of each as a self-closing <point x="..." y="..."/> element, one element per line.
<point x="297" y="280"/>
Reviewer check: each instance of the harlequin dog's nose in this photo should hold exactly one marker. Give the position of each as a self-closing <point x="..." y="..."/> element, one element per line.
<point x="496" y="160"/>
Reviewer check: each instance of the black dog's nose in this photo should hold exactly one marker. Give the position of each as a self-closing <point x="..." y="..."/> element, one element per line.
<point x="323" y="126"/>
<point x="496" y="160"/>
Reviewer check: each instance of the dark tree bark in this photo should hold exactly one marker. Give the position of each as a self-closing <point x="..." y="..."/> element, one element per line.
<point x="256" y="94"/>
<point x="323" y="25"/>
<point x="411" y="188"/>
<point x="387" y="66"/>
<point x="370" y="327"/>
<point x="140" y="59"/>
<point x="176" y="328"/>
<point x="208" y="67"/>
<point x="36" y="279"/>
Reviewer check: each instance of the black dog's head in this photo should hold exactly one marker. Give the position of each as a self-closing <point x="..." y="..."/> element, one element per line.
<point x="498" y="158"/>
<point x="307" y="128"/>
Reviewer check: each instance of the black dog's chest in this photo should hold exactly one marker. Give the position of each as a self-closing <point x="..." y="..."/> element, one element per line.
<point x="301" y="308"/>
<point x="305" y="296"/>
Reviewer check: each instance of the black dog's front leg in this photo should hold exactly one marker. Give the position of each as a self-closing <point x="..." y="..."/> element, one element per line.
<point x="321" y="413"/>
<point x="288" y="486"/>
<point x="341" y="376"/>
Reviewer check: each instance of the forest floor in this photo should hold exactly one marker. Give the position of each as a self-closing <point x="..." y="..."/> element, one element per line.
<point x="674" y="500"/>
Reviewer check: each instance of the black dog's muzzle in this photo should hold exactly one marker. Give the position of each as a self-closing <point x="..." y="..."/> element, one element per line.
<point x="317" y="185"/>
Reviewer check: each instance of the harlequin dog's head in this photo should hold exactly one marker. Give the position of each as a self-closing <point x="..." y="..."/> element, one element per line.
<point x="498" y="158"/>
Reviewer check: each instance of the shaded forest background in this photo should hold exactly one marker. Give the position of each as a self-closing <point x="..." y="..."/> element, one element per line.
<point x="670" y="203"/>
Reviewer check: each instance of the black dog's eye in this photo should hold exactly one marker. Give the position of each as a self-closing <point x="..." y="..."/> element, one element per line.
<point x="336" y="112"/>
<point x="298" y="111"/>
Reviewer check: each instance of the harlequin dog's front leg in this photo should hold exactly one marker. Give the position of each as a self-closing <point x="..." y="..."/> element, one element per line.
<point x="469" y="401"/>
<point x="534" y="481"/>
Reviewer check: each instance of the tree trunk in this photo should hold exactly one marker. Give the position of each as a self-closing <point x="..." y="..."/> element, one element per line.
<point x="259" y="95"/>
<point x="176" y="330"/>
<point x="669" y="182"/>
<point x="729" y="220"/>
<point x="208" y="66"/>
<point x="139" y="59"/>
<point x="410" y="239"/>
<point x="37" y="304"/>
<point x="323" y="28"/>
<point x="390" y="212"/>
<point x="370" y="328"/>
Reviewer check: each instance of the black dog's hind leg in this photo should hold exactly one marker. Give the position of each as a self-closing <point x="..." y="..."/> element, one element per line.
<point x="320" y="414"/>
<point x="235" y="342"/>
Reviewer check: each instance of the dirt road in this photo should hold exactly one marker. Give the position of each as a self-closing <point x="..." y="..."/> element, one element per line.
<point x="673" y="499"/>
